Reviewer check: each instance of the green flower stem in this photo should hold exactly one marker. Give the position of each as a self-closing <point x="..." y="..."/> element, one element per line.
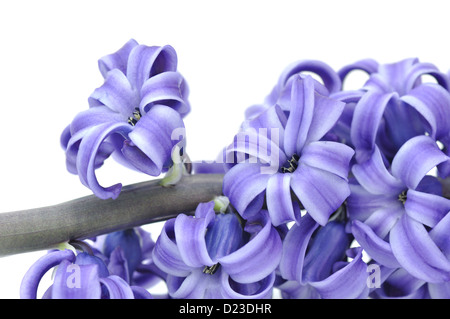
<point x="138" y="204"/>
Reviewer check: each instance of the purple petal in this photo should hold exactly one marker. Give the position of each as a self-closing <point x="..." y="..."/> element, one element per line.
<point x="367" y="65"/>
<point x="65" y="137"/>
<point x="431" y="185"/>
<point x="328" y="156"/>
<point x="145" y="62"/>
<point x="366" y="120"/>
<point x="94" y="116"/>
<point x="326" y="113"/>
<point x="401" y="285"/>
<point x="118" y="264"/>
<point x="382" y="220"/>
<point x="256" y="146"/>
<point x="439" y="234"/>
<point x="376" y="248"/>
<point x="140" y="293"/>
<point x="374" y="176"/>
<point x="401" y="122"/>
<point x="279" y="200"/>
<point x="294" y="290"/>
<point x="86" y="160"/>
<point x="439" y="291"/>
<point x="98" y="259"/>
<point x="432" y="102"/>
<point x="166" y="254"/>
<point x="191" y="287"/>
<point x="155" y="136"/>
<point x="117" y="94"/>
<point x="244" y="184"/>
<point x="428" y="209"/>
<point x="327" y="247"/>
<point x="419" y="69"/>
<point x="262" y="289"/>
<point x="225" y="236"/>
<point x="361" y="204"/>
<point x="190" y="238"/>
<point x="347" y="283"/>
<point x="329" y="77"/>
<point x="256" y="259"/>
<point x="117" y="288"/>
<point x="415" y="159"/>
<point x="117" y="60"/>
<point x="129" y="243"/>
<point x="167" y="88"/>
<point x="271" y="118"/>
<point x="396" y="73"/>
<point x="417" y="253"/>
<point x="294" y="248"/>
<point x="320" y="192"/>
<point x="30" y="282"/>
<point x="300" y="116"/>
<point x="74" y="281"/>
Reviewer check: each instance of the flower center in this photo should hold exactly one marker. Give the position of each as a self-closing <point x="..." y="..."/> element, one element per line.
<point x="210" y="270"/>
<point x="291" y="165"/>
<point x="402" y="197"/>
<point x="132" y="120"/>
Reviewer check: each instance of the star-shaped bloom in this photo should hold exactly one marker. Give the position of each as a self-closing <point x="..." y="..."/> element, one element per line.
<point x="136" y="116"/>
<point x="393" y="209"/>
<point x="211" y="255"/>
<point x="280" y="153"/>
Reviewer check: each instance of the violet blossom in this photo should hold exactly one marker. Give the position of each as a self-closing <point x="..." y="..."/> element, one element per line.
<point x="283" y="152"/>
<point x="132" y="116"/>
<point x="392" y="207"/>
<point x="212" y="255"/>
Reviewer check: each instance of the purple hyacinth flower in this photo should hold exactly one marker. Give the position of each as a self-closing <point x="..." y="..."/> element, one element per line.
<point x="314" y="262"/>
<point x="132" y="116"/>
<point x="394" y="207"/>
<point x="278" y="153"/>
<point x="80" y="276"/>
<point x="213" y="256"/>
<point x="395" y="106"/>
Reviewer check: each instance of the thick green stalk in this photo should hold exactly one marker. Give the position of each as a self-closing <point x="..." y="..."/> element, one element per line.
<point x="138" y="204"/>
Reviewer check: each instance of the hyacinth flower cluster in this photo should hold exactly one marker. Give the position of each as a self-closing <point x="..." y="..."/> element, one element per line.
<point x="327" y="192"/>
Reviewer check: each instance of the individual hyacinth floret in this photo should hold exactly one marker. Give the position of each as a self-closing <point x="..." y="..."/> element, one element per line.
<point x="132" y="116"/>
<point x="213" y="255"/>
<point x="287" y="152"/>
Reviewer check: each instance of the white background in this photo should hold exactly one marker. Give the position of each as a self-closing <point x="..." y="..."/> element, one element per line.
<point x="231" y="53"/>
